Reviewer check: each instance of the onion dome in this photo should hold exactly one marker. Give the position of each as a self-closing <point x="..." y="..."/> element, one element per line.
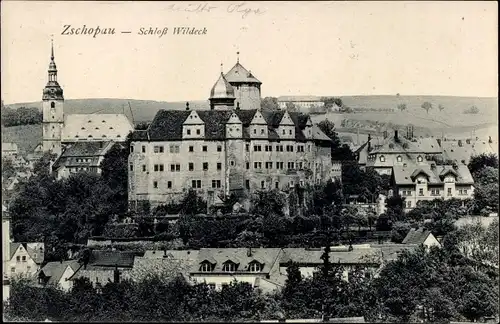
<point x="222" y="89"/>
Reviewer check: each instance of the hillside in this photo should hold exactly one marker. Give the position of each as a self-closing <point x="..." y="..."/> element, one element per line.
<point x="26" y="137"/>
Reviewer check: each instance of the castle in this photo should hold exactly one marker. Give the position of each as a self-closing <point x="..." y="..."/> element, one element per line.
<point x="232" y="147"/>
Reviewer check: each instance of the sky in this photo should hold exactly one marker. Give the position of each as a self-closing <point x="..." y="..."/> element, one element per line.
<point x="293" y="48"/>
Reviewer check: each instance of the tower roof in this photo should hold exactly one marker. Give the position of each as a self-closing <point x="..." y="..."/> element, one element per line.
<point x="222" y="89"/>
<point x="52" y="65"/>
<point x="238" y="74"/>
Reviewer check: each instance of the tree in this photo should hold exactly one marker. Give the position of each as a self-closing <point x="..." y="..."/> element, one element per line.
<point x="478" y="162"/>
<point x="269" y="103"/>
<point x="291" y="107"/>
<point x="8" y="169"/>
<point x="426" y="106"/>
<point x="471" y="110"/>
<point x="265" y="203"/>
<point x="441" y="107"/>
<point x="402" y="107"/>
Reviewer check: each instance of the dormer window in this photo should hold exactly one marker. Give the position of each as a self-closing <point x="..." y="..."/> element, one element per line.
<point x="255" y="267"/>
<point x="97" y="128"/>
<point x="399" y="158"/>
<point x="111" y="128"/>
<point x="419" y="158"/>
<point x="205" y="267"/>
<point x="229" y="266"/>
<point x="382" y="158"/>
<point x="90" y="121"/>
<point x="83" y="128"/>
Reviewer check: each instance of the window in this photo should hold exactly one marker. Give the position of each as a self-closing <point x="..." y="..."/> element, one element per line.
<point x="382" y="158"/>
<point x="291" y="165"/>
<point x="279" y="165"/>
<point x="175" y="167"/>
<point x="254" y="267"/>
<point x="257" y="165"/>
<point x="155" y="184"/>
<point x="289" y="148"/>
<point x="277" y="185"/>
<point x="12" y="269"/>
<point x="255" y="131"/>
<point x="309" y="148"/>
<point x="262" y="131"/>
<point x="219" y="148"/>
<point x="408" y="204"/>
<point x="161" y="167"/>
<point x="206" y="267"/>
<point x="262" y="184"/>
<point x="188" y="132"/>
<point x="156" y="167"/>
<point x="449" y="191"/>
<point x="219" y="166"/>
<point x="247" y="147"/>
<point x="158" y="149"/>
<point x="232" y="163"/>
<point x="28" y="268"/>
<point x="196" y="184"/>
<point x="420" y="192"/>
<point x="198" y="132"/>
<point x="205" y="166"/>
<point x="229" y="267"/>
<point x="299" y="165"/>
<point x="216" y="184"/>
<point x="399" y="158"/>
<point x="204" y="148"/>
<point x="269" y="148"/>
<point x="191" y="166"/>
<point x="52" y="105"/>
<point x="419" y="158"/>
<point x="18" y="258"/>
<point x="257" y="148"/>
<point x="212" y="286"/>
<point x="248" y="165"/>
<point x="144" y="149"/>
<point x="247" y="184"/>
<point x="279" y="148"/>
<point x="174" y="149"/>
<point x="284" y="132"/>
<point x="290" y="132"/>
<point x="169" y="185"/>
<point x="269" y="165"/>
<point x="131" y="167"/>
<point x="465" y="191"/>
<point x="300" y="148"/>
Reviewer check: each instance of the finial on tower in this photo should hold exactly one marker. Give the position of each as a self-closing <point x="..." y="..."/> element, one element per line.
<point x="221" y="68"/>
<point x="238" y="56"/>
<point x="52" y="47"/>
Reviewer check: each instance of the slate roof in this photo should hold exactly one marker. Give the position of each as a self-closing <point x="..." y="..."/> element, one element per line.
<point x="92" y="150"/>
<point x="55" y="270"/>
<point x="96" y="126"/>
<point x="113" y="258"/>
<point x="165" y="267"/>
<point x="407" y="175"/>
<point x="238" y="74"/>
<point x="310" y="256"/>
<point x="222" y="89"/>
<point x="265" y="256"/>
<point x="416" y="236"/>
<point x="452" y="151"/>
<point x="171" y="254"/>
<point x="167" y="124"/>
<point x="403" y="145"/>
<point x="390" y="252"/>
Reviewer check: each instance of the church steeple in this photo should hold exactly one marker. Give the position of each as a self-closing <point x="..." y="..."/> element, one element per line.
<point x="52" y="90"/>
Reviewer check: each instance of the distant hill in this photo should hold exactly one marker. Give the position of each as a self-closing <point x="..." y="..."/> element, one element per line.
<point x="26" y="137"/>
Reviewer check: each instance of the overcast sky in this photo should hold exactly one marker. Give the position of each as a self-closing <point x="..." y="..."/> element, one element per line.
<point x="294" y="48"/>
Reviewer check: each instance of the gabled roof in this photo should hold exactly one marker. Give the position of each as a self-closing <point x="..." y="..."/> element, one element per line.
<point x="405" y="175"/>
<point x="92" y="150"/>
<point x="167" y="124"/>
<point x="96" y="126"/>
<point x="403" y="145"/>
<point x="265" y="256"/>
<point x="55" y="270"/>
<point x="416" y="236"/>
<point x="238" y="74"/>
<point x="34" y="252"/>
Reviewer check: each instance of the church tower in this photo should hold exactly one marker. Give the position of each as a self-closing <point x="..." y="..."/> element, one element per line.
<point x="53" y="110"/>
<point x="246" y="86"/>
<point x="222" y="94"/>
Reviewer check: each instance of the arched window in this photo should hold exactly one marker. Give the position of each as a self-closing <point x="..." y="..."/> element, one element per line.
<point x="229" y="267"/>
<point x="206" y="267"/>
<point x="382" y="158"/>
<point x="255" y="267"/>
<point x="399" y="158"/>
<point x="52" y="105"/>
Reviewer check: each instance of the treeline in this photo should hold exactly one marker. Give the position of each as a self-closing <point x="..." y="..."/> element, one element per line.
<point x="21" y="116"/>
<point x="436" y="286"/>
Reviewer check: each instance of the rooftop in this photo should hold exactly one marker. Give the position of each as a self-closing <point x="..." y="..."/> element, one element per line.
<point x="407" y="175"/>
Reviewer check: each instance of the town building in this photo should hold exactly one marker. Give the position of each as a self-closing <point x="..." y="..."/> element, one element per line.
<point x="301" y="102"/>
<point x="460" y="151"/>
<point x="421" y="237"/>
<point x="25" y="259"/>
<point x="6" y="237"/>
<point x="426" y="182"/>
<point x="230" y="148"/>
<point x="57" y="274"/>
<point x="81" y="156"/>
<point x="399" y="151"/>
<point x="60" y="130"/>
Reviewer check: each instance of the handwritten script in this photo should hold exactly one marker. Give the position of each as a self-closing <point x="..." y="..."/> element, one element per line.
<point x="240" y="8"/>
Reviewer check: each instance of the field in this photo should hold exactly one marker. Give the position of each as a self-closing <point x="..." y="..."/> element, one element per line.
<point x="450" y="122"/>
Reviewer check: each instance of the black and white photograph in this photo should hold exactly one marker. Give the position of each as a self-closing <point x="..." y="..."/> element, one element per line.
<point x="250" y="161"/>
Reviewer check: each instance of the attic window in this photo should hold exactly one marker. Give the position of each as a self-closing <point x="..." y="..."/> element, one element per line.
<point x="255" y="267"/>
<point x="205" y="267"/>
<point x="103" y="135"/>
<point x="118" y="135"/>
<point x="229" y="267"/>
<point x="382" y="158"/>
<point x="103" y="121"/>
<point x="419" y="158"/>
<point x="90" y="121"/>
<point x="97" y="128"/>
<point x="90" y="135"/>
<point x="111" y="128"/>
<point x="400" y="158"/>
<point x="76" y="136"/>
<point x="83" y="127"/>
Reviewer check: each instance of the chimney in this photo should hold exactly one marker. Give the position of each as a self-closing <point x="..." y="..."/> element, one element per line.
<point x="490" y="140"/>
<point x="249" y="252"/>
<point x="187" y="105"/>
<point x="369" y="142"/>
<point x="396" y="138"/>
<point x="238" y="105"/>
<point x="460" y="143"/>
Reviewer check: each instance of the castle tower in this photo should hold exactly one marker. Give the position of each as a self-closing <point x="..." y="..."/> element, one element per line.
<point x="53" y="110"/>
<point x="5" y="253"/>
<point x="246" y="86"/>
<point x="222" y="94"/>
